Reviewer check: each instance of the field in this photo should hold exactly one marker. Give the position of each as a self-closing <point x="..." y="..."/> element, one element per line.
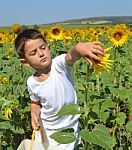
<point x="103" y="89"/>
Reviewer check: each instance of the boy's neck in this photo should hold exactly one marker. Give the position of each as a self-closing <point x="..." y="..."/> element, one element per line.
<point x="42" y="75"/>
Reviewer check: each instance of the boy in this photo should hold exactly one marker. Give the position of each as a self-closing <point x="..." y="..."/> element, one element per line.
<point x="52" y="86"/>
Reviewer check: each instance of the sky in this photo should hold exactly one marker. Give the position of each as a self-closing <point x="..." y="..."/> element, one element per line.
<point x="31" y="12"/>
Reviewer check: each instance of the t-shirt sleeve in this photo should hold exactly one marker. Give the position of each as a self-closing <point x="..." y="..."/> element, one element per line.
<point x="60" y="63"/>
<point x="32" y="95"/>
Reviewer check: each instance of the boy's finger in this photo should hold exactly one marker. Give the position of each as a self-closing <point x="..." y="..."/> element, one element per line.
<point x="98" y="51"/>
<point x="36" y="126"/>
<point x="94" y="56"/>
<point x="98" y="43"/>
<point x="88" y="60"/>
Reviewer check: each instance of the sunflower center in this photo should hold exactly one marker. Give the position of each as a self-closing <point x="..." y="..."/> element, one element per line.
<point x="117" y="36"/>
<point x="55" y="32"/>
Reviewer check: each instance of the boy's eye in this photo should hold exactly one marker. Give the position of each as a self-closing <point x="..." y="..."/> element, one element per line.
<point x="33" y="53"/>
<point x="43" y="47"/>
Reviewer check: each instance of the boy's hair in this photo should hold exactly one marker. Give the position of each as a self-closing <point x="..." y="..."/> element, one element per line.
<point x="23" y="37"/>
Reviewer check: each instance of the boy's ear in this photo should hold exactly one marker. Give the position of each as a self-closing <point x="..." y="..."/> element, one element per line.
<point x="24" y="62"/>
<point x="48" y="46"/>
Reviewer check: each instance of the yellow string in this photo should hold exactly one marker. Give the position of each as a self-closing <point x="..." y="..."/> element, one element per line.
<point x="32" y="139"/>
<point x="33" y="136"/>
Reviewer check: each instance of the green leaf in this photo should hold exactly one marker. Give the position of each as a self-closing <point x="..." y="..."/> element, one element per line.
<point x="123" y="93"/>
<point x="17" y="130"/>
<point x="103" y="116"/>
<point x="80" y="86"/>
<point x="99" y="136"/>
<point x="129" y="126"/>
<point x="63" y="137"/>
<point x="5" y="125"/>
<point x="70" y="109"/>
<point x="26" y="109"/>
<point x="108" y="103"/>
<point x="121" y="116"/>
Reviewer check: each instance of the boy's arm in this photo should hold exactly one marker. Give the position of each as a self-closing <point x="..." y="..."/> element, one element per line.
<point x="35" y="111"/>
<point x="88" y="50"/>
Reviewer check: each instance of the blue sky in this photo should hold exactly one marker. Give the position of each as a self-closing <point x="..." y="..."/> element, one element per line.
<point x="28" y="12"/>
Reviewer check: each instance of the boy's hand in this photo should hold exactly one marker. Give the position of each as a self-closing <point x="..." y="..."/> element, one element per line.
<point x="35" y="122"/>
<point x="90" y="50"/>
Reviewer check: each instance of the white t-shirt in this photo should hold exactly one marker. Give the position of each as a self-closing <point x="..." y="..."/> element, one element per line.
<point x="57" y="90"/>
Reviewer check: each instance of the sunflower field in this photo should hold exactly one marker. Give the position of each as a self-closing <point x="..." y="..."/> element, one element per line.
<point x="104" y="89"/>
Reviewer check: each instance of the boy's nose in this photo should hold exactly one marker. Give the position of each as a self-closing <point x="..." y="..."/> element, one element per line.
<point x="40" y="53"/>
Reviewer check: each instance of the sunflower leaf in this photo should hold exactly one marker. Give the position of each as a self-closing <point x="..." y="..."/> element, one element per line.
<point x="99" y="136"/>
<point x="70" y="109"/>
<point x="63" y="137"/>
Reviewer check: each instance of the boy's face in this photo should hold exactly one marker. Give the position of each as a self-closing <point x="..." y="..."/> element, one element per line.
<point x="37" y="54"/>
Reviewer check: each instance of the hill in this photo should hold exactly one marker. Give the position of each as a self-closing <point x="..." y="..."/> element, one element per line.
<point x="99" y="20"/>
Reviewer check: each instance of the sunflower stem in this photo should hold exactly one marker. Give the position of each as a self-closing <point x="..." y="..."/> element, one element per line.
<point x="98" y="85"/>
<point x="86" y="105"/>
<point x="115" y="58"/>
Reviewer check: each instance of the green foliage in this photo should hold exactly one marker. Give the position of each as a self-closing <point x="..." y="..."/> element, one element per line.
<point x="104" y="102"/>
<point x="99" y="136"/>
<point x="14" y="100"/>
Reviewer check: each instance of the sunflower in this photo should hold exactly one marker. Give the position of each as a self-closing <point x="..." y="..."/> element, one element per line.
<point x="16" y="28"/>
<point x="78" y="34"/>
<point x="93" y="37"/>
<point x="56" y="33"/>
<point x="118" y="36"/>
<point x="67" y="37"/>
<point x="8" y="55"/>
<point x="4" y="79"/>
<point x="130" y="31"/>
<point x="1" y="38"/>
<point x="44" y="32"/>
<point x="7" y="112"/>
<point x="104" y="65"/>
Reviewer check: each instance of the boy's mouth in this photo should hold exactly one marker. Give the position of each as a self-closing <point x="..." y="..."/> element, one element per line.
<point x="43" y="60"/>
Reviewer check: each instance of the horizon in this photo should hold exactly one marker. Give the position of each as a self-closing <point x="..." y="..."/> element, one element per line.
<point x="69" y="20"/>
